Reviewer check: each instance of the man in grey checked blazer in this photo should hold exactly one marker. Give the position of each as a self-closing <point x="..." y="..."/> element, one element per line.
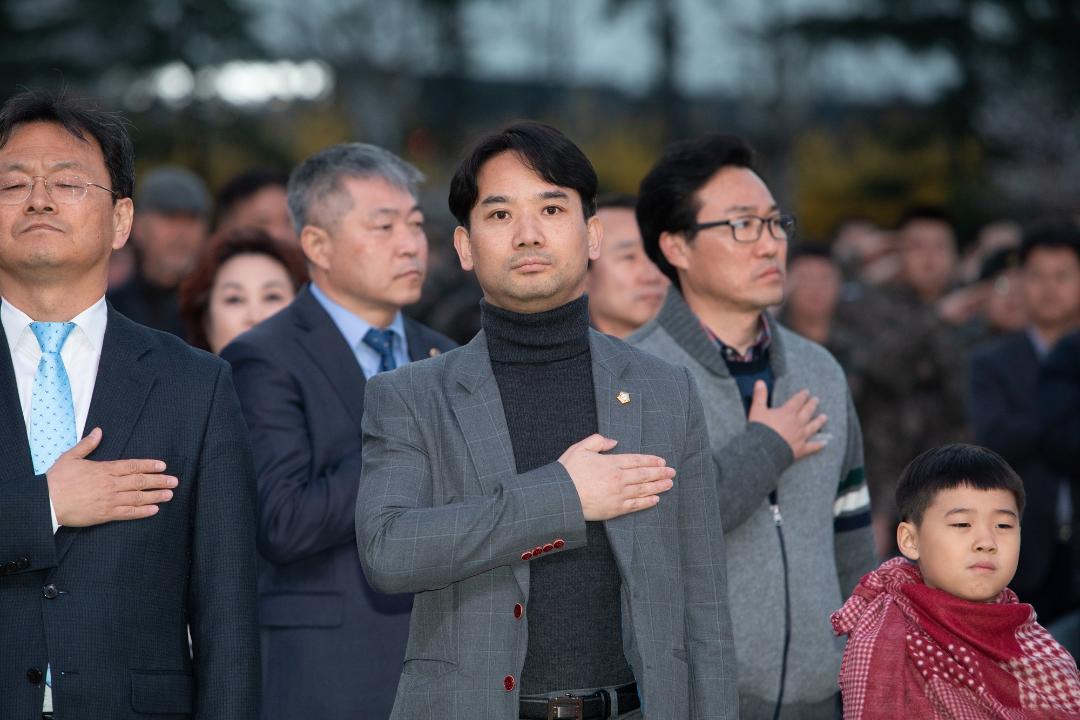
<point x="507" y="545"/>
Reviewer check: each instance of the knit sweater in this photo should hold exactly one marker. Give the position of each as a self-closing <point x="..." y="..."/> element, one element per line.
<point x="543" y="367"/>
<point x="823" y="500"/>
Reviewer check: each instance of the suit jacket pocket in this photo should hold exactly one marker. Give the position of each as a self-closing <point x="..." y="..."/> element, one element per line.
<point x="428" y="667"/>
<point x="323" y="609"/>
<point x="162" y="692"/>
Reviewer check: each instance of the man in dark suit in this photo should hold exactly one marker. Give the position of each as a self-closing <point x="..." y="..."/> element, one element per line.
<point x="332" y="646"/>
<point x="111" y="548"/>
<point x="1005" y="409"/>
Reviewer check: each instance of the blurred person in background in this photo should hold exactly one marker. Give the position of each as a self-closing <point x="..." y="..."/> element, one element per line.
<point x="172" y="208"/>
<point x="255" y="198"/>
<point x="1005" y="409"/>
<point x="812" y="296"/>
<point x="625" y="287"/>
<point x="241" y="277"/>
<point x="332" y="646"/>
<point x="991" y="239"/>
<point x="909" y="363"/>
<point x="794" y="502"/>
<point x="865" y="252"/>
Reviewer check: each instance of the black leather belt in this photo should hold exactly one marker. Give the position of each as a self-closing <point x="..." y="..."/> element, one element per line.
<point x="580" y="707"/>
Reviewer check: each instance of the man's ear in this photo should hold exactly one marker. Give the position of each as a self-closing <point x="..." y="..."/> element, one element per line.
<point x="595" y="231"/>
<point x="675" y="250"/>
<point x="907" y="539"/>
<point x="315" y="242"/>
<point x="463" y="245"/>
<point x="123" y="218"/>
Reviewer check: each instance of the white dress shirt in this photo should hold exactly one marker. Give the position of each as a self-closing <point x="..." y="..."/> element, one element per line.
<point x="81" y="354"/>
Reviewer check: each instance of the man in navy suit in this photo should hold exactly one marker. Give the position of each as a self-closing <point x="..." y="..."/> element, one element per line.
<point x="1006" y="409"/>
<point x="111" y="548"/>
<point x="332" y="646"/>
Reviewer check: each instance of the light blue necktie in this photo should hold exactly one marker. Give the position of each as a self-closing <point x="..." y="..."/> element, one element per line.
<point x="52" y="412"/>
<point x="382" y="342"/>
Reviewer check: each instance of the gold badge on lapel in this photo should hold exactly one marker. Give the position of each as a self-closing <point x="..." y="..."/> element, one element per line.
<point x="623" y="397"/>
<point x="433" y="352"/>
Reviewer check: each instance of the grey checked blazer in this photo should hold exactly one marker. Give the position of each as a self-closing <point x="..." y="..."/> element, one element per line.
<point x="442" y="512"/>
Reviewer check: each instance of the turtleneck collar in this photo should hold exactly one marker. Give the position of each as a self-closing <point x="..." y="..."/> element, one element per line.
<point x="556" y="334"/>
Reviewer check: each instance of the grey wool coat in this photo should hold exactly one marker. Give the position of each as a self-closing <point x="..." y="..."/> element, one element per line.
<point x="442" y="512"/>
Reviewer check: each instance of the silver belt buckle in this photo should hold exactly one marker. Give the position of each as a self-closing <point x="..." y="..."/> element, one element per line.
<point x="567" y="707"/>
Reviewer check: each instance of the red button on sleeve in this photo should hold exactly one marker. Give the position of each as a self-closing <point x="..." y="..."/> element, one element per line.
<point x="509" y="683"/>
<point x="558" y="544"/>
<point x="549" y="547"/>
<point x="518" y="609"/>
<point x="537" y="550"/>
<point x="526" y="555"/>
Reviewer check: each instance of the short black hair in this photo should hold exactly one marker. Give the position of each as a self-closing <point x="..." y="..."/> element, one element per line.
<point x="242" y="186"/>
<point x="953" y="466"/>
<point x="926" y="213"/>
<point x="622" y="201"/>
<point x="667" y="199"/>
<point x="540" y="147"/>
<point x="1050" y="233"/>
<point x="79" y="117"/>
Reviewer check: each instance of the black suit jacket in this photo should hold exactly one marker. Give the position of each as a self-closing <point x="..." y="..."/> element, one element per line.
<point x="332" y="646"/>
<point x="1005" y="411"/>
<point x="109" y="606"/>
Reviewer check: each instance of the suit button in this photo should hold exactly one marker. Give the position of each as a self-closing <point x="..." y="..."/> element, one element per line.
<point x="8" y="567"/>
<point x="549" y="547"/>
<point x="518" y="609"/>
<point x="526" y="555"/>
<point x="508" y="682"/>
<point x="50" y="591"/>
<point x="34" y="675"/>
<point x="22" y="563"/>
<point x="558" y="544"/>
<point x="537" y="551"/>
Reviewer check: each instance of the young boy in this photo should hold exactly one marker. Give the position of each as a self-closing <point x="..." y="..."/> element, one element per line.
<point x="936" y="634"/>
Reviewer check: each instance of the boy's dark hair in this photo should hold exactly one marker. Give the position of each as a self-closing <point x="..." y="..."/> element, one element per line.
<point x="248" y="183"/>
<point x="667" y="199"/>
<point x="953" y="466"/>
<point x="540" y="147"/>
<point x="1050" y="234"/>
<point x="78" y="117"/>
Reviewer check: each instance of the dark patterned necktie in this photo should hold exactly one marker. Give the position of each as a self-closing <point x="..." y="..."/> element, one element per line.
<point x="382" y="342"/>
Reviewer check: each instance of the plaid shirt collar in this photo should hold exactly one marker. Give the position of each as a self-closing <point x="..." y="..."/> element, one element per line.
<point x="755" y="351"/>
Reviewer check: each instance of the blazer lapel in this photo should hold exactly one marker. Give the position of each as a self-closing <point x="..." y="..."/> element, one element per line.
<point x="618" y="414"/>
<point x="324" y="344"/>
<point x="15" y="461"/>
<point x="419" y="346"/>
<point x="474" y="396"/>
<point x="120" y="391"/>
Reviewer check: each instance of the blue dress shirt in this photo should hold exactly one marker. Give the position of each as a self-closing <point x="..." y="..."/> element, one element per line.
<point x="353" y="328"/>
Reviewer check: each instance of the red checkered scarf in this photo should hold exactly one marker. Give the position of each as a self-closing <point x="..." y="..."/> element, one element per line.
<point x="917" y="652"/>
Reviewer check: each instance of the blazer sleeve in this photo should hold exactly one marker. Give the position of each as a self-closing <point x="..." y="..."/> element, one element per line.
<point x="224" y="630"/>
<point x="407" y="543"/>
<point x="710" y="643"/>
<point x="27" y="543"/>
<point x="301" y="513"/>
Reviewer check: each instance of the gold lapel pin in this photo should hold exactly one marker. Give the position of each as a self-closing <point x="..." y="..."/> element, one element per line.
<point x="433" y="352"/>
<point x="623" y="397"/>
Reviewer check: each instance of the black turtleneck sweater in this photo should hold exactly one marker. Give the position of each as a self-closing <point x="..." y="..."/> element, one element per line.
<point x="543" y="367"/>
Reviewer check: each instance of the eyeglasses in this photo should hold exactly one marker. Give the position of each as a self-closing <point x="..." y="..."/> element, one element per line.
<point x="747" y="229"/>
<point x="67" y="189"/>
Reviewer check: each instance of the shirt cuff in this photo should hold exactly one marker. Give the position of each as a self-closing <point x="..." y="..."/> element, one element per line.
<point x="52" y="511"/>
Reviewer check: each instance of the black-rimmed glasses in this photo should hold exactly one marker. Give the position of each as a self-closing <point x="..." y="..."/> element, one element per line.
<point x="67" y="189"/>
<point x="747" y="229"/>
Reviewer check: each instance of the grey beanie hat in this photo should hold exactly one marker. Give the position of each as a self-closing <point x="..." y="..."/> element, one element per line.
<point x="173" y="190"/>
